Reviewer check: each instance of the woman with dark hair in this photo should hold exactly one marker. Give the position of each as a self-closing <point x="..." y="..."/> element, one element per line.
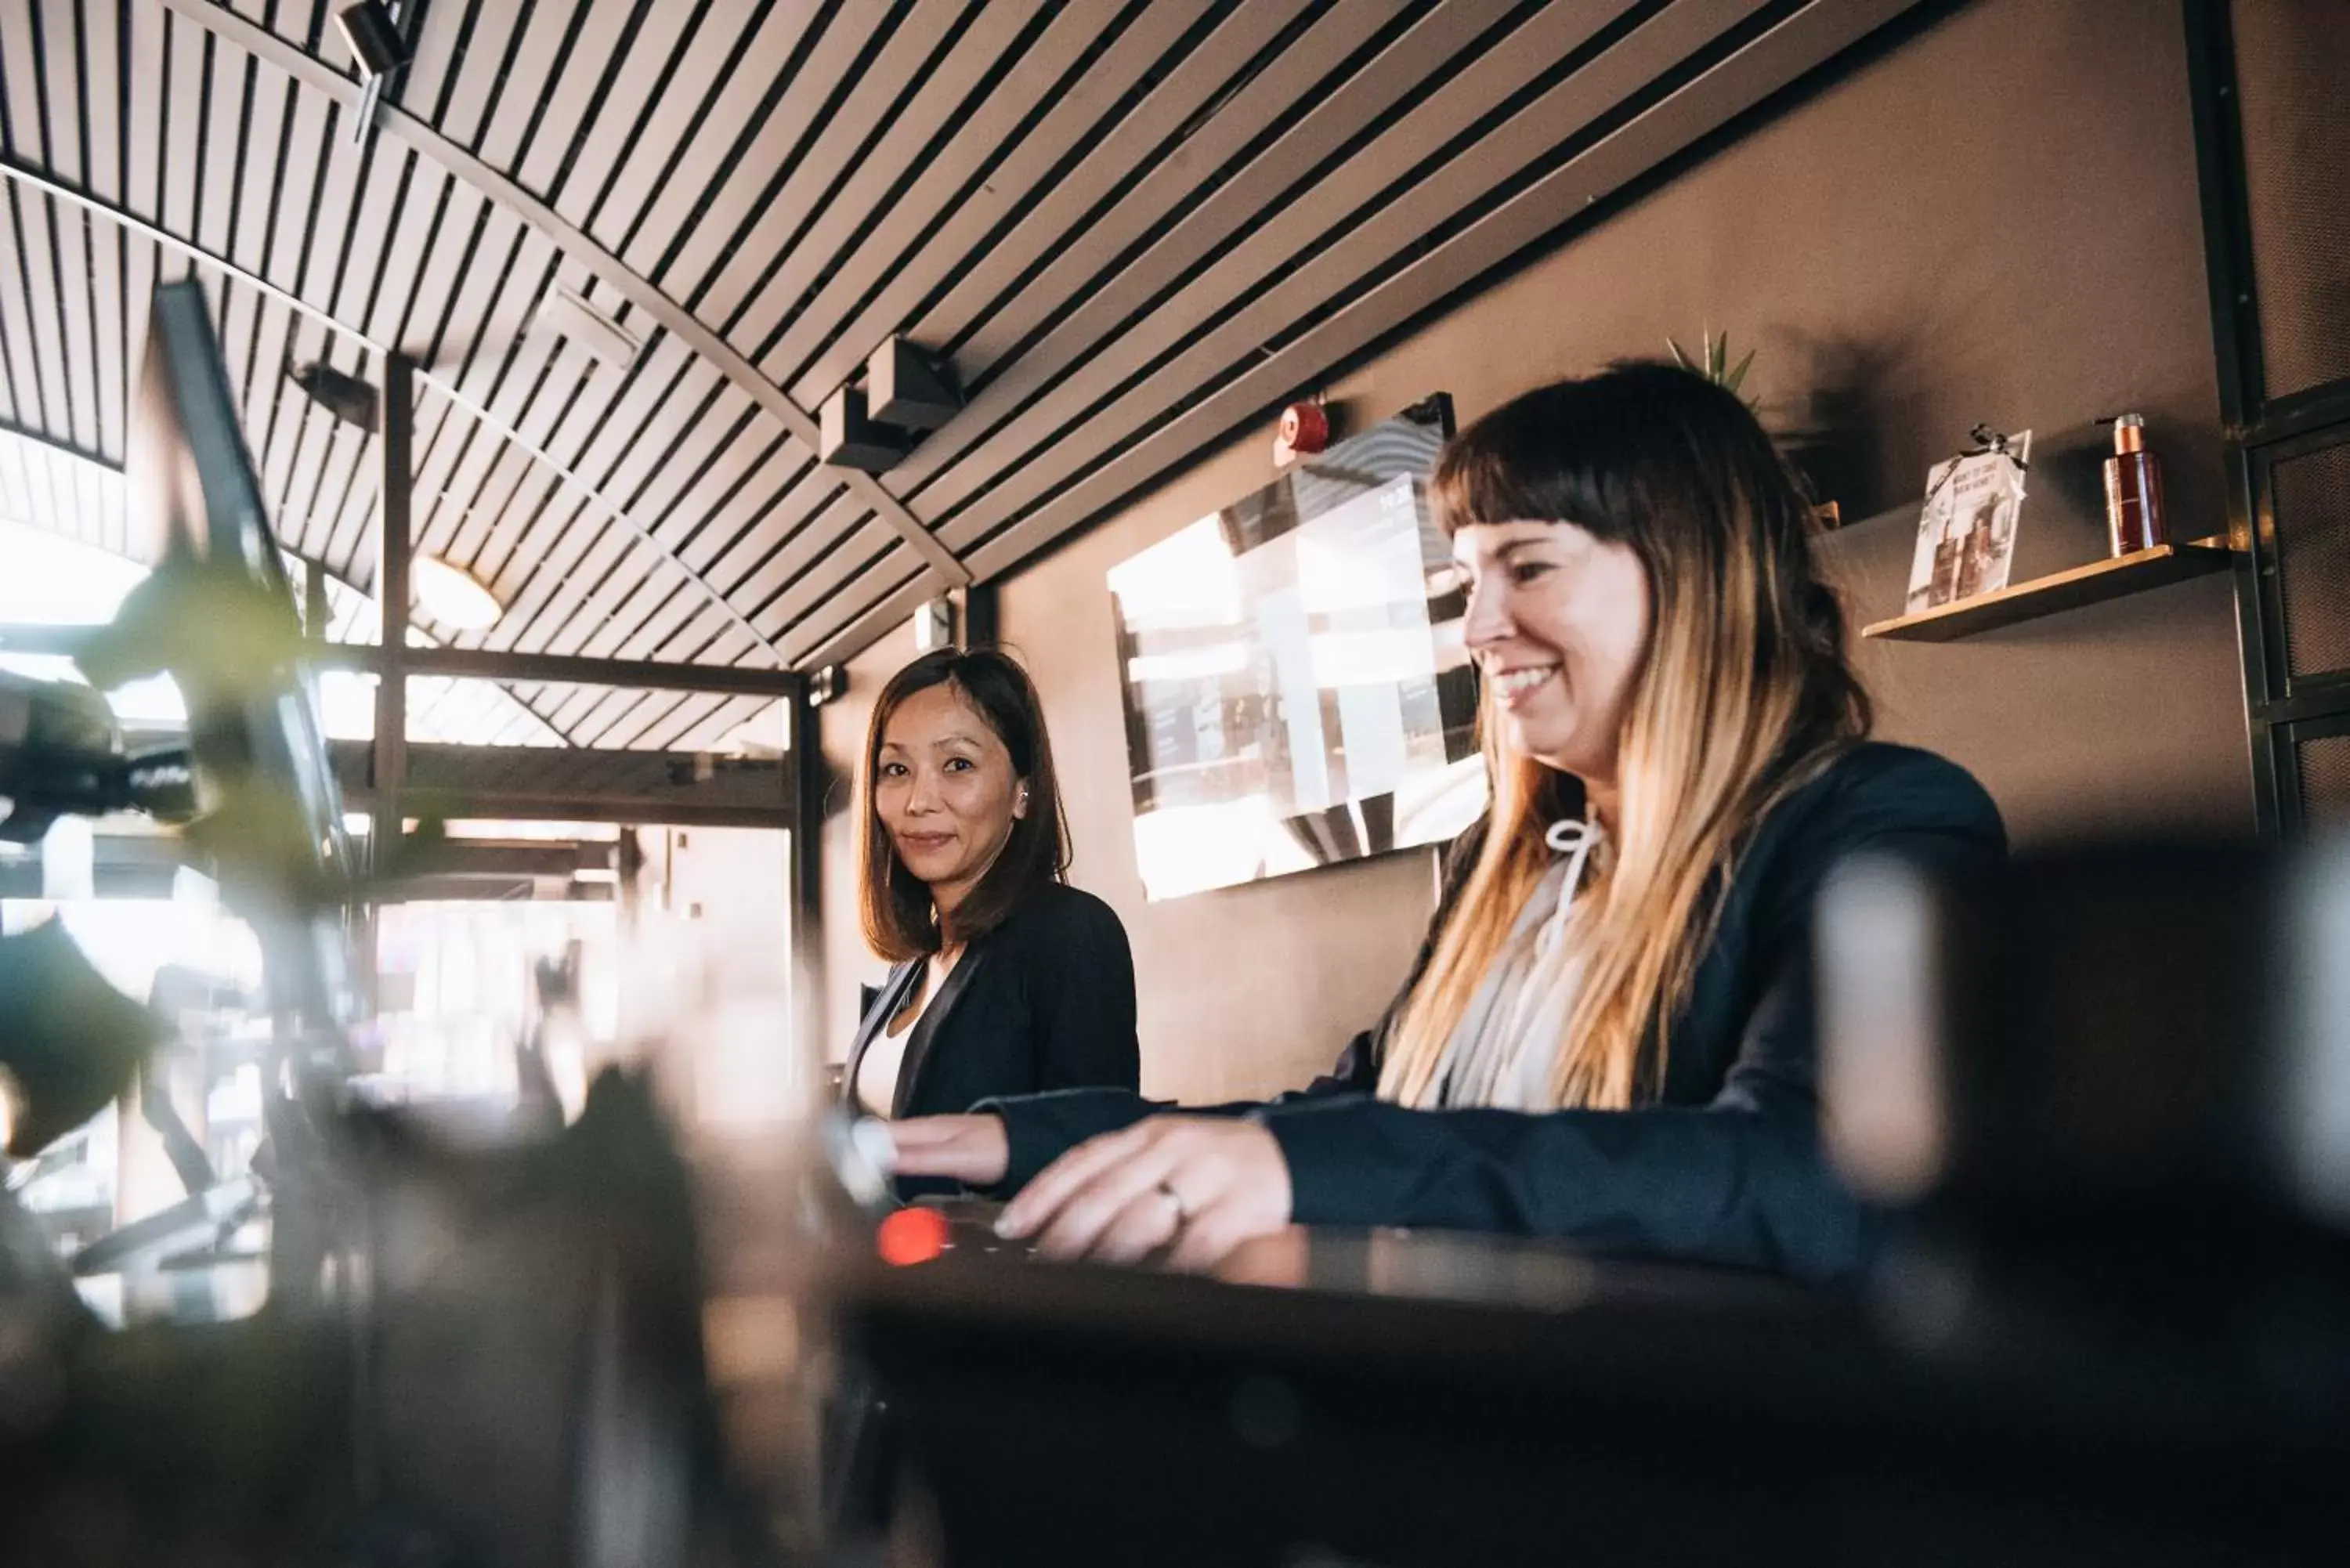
<point x="1608" y="1034"/>
<point x="1007" y="980"/>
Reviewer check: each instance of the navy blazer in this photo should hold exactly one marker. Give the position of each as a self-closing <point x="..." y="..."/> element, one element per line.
<point x="1725" y="1166"/>
<point x="1045" y="1001"/>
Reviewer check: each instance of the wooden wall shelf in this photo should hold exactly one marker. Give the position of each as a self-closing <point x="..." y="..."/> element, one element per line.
<point x="2093" y="584"/>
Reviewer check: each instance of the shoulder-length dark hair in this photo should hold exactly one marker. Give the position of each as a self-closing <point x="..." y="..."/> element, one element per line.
<point x="899" y="919"/>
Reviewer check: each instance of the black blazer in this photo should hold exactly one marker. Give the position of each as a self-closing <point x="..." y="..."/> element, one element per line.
<point x="1045" y="1001"/>
<point x="1725" y="1167"/>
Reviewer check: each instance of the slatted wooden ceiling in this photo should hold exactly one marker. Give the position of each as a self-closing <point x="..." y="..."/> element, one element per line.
<point x="1132" y="228"/>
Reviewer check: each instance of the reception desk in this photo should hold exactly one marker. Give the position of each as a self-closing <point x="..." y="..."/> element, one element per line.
<point x="1400" y="1399"/>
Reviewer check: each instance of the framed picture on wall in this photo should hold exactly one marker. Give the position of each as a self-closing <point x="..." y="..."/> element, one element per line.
<point x="1297" y="689"/>
<point x="1966" y="533"/>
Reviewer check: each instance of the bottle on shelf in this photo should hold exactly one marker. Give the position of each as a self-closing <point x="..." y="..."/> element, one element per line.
<point x="2133" y="488"/>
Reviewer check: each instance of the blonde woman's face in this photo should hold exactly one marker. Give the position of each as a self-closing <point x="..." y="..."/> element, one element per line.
<point x="1558" y="622"/>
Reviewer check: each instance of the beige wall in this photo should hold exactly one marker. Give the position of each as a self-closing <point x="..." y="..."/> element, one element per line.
<point x="1998" y="222"/>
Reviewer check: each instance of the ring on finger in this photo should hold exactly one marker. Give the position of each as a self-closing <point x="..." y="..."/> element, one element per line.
<point x="1175" y="1201"/>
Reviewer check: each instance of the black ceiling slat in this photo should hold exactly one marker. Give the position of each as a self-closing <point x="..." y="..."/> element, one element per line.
<point x="560" y="575"/>
<point x="474" y="473"/>
<point x="728" y="127"/>
<point x="538" y="543"/>
<point x="885" y="597"/>
<point x="334" y="193"/>
<point x="956" y="86"/>
<point x="438" y="44"/>
<point x="962" y="235"/>
<point x="57" y="61"/>
<point x="635" y="569"/>
<point x="593" y="57"/>
<point x="1132" y="182"/>
<point x="314" y="433"/>
<point x="1087" y="299"/>
<point x="1244" y="242"/>
<point x="706" y="637"/>
<point x="98" y="45"/>
<point x="472" y="90"/>
<point x="646" y="58"/>
<point x="481" y="278"/>
<point x="266" y="393"/>
<point x="290" y="413"/>
<point x="208" y="133"/>
<point x="1285" y="263"/>
<point x="649" y="498"/>
<point x="766" y="198"/>
<point x="648" y="622"/>
<point x="752" y="291"/>
<point x="778" y="543"/>
<point x="146" y="124"/>
<point x="593" y="435"/>
<point x="16" y="338"/>
<point x="457" y="213"/>
<point x="526" y="87"/>
<point x="820" y="576"/>
<point x="755" y="523"/>
<point x="647" y="616"/>
<point x="491" y="521"/>
<point x="24" y="122"/>
<point x="661" y="143"/>
<point x="733" y="457"/>
<point x="315" y="34"/>
<point x="347" y="492"/>
<point x="69" y="30"/>
<point x="69" y="240"/>
<point x="682" y="729"/>
<point x="604" y="579"/>
<point x="648" y="720"/>
<point x="366" y="211"/>
<point x="722" y="518"/>
<point x="391" y="247"/>
<point x="1749" y="63"/>
<point x="36" y="275"/>
<point x="485" y="544"/>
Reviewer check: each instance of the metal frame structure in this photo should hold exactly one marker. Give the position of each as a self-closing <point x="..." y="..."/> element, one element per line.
<point x="2282" y="711"/>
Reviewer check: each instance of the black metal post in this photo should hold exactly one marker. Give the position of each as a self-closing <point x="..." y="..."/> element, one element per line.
<point x="394" y="549"/>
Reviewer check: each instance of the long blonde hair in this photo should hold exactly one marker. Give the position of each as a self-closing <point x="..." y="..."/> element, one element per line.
<point x="1744" y="693"/>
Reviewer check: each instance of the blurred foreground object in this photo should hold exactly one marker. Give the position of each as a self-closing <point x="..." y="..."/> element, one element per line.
<point x="2108" y="1092"/>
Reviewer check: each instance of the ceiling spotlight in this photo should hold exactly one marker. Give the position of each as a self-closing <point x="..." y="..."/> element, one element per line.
<point x="374" y="37"/>
<point x="453" y="596"/>
<point x="340" y="393"/>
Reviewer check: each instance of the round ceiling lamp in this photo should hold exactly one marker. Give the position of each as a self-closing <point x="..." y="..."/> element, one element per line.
<point x="453" y="596"/>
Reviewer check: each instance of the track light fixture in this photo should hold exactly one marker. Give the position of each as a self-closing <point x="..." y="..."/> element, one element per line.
<point x="373" y="36"/>
<point x="340" y="393"/>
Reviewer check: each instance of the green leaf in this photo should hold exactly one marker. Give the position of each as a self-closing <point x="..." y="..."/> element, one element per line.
<point x="1717" y="352"/>
<point x="1679" y="358"/>
<point x="1737" y="377"/>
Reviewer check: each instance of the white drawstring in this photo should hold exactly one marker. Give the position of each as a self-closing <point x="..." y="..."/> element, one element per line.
<point x="1575" y="840"/>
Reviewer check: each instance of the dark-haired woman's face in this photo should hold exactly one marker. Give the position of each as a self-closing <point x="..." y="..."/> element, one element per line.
<point x="944" y="788"/>
<point x="1558" y="621"/>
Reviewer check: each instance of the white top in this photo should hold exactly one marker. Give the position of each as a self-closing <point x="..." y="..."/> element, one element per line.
<point x="1504" y="1052"/>
<point x="876" y="1073"/>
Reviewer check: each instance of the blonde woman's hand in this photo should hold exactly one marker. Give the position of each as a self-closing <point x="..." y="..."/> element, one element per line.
<point x="1194" y="1187"/>
<point x="972" y="1150"/>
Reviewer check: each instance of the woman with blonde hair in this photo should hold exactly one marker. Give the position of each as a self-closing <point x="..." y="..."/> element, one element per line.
<point x="1609" y="1034"/>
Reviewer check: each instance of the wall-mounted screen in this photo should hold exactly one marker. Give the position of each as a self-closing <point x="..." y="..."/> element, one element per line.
<point x="1297" y="689"/>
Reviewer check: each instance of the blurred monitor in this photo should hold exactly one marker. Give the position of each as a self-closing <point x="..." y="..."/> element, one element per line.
<point x="1297" y="689"/>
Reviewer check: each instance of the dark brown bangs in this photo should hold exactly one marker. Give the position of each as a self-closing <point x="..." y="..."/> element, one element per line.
<point x="1556" y="455"/>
